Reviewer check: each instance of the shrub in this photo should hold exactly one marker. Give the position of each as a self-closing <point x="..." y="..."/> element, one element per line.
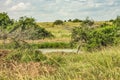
<point x="77" y="20"/>
<point x="117" y="21"/>
<point x="90" y="38"/>
<point x="70" y="20"/>
<point x="26" y="28"/>
<point x="58" y="22"/>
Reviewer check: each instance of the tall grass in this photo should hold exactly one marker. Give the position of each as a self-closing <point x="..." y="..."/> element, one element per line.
<point x="98" y="65"/>
<point x="53" y="45"/>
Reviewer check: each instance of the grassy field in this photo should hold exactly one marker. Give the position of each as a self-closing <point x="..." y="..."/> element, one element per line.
<point x="30" y="64"/>
<point x="98" y="65"/>
<point x="61" y="32"/>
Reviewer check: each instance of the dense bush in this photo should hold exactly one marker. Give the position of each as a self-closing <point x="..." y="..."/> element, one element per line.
<point x="70" y="20"/>
<point x="58" y="22"/>
<point x="77" y="20"/>
<point x="26" y="28"/>
<point x="117" y="21"/>
<point x="95" y="38"/>
<point x="5" y="21"/>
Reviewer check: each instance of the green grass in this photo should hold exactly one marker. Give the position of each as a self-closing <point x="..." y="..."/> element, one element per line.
<point x="53" y="45"/>
<point x="97" y="65"/>
<point x="61" y="32"/>
<point x="43" y="45"/>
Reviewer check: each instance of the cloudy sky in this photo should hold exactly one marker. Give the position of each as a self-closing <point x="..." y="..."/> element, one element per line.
<point x="50" y="10"/>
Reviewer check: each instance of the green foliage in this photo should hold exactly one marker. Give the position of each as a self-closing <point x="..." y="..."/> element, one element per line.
<point x="88" y="22"/>
<point x="96" y="38"/>
<point x="69" y="20"/>
<point x="58" y="22"/>
<point x="26" y="28"/>
<point x="5" y="20"/>
<point x="77" y="20"/>
<point x="117" y="21"/>
<point x="61" y="45"/>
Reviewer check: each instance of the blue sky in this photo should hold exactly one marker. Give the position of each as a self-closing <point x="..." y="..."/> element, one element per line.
<point x="50" y="10"/>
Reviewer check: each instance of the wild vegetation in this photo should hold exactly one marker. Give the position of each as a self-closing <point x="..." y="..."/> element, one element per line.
<point x="25" y="28"/>
<point x="90" y="37"/>
<point x="98" y="42"/>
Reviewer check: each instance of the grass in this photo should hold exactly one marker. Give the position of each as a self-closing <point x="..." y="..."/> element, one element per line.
<point x="28" y="64"/>
<point x="43" y="45"/>
<point x="61" y="32"/>
<point x="97" y="65"/>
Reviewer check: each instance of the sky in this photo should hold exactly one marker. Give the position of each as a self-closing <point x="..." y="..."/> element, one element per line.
<point x="50" y="10"/>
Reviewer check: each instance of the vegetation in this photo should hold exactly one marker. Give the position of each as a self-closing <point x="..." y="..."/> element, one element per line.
<point x="22" y="44"/>
<point x="24" y="28"/>
<point x="77" y="20"/>
<point x="21" y="60"/>
<point x="24" y="65"/>
<point x="53" y="45"/>
<point x="58" y="22"/>
<point x="95" y="38"/>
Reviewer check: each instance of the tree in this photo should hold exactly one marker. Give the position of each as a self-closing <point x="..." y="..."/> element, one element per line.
<point x="4" y="22"/>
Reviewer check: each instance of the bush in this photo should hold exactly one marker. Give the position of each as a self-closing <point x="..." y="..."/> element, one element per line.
<point x="91" y="39"/>
<point x="58" y="22"/>
<point x="117" y="21"/>
<point x="77" y="20"/>
<point x="70" y="20"/>
<point x="26" y="28"/>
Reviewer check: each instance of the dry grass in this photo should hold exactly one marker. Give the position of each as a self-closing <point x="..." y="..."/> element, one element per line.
<point x="98" y="65"/>
<point x="18" y="71"/>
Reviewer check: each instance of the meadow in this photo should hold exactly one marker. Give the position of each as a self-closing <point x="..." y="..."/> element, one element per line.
<point x="97" y="41"/>
<point x="97" y="65"/>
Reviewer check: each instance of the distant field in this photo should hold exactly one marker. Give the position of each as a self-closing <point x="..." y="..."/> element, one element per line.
<point x="61" y="32"/>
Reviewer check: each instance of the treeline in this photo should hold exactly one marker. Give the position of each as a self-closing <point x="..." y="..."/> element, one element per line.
<point x="61" y="22"/>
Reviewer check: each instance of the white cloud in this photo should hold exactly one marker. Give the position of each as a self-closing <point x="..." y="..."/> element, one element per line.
<point x="49" y="10"/>
<point x="20" y="6"/>
<point x="7" y="2"/>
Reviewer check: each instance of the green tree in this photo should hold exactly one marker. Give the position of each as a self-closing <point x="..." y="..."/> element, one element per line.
<point x="4" y="22"/>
